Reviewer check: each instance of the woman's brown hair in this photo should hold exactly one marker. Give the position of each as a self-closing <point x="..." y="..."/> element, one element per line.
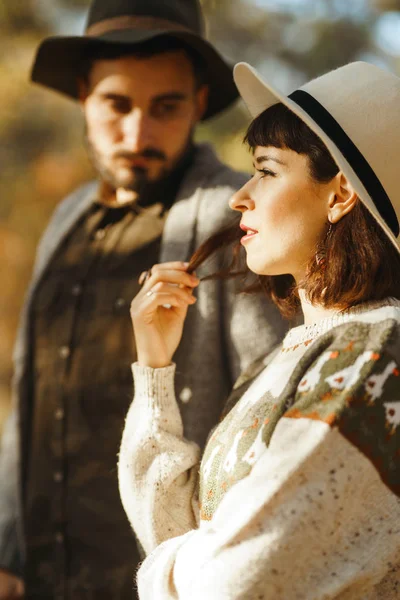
<point x="354" y="260"/>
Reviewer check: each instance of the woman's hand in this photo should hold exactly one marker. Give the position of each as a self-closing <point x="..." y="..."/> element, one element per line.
<point x="158" y="329"/>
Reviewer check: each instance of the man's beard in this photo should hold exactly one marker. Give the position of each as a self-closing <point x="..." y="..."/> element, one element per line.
<point x="138" y="180"/>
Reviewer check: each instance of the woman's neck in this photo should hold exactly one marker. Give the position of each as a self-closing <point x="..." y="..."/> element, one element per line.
<point x="313" y="313"/>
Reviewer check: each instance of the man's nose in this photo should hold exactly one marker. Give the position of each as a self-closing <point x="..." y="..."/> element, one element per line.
<point x="241" y="200"/>
<point x="136" y="128"/>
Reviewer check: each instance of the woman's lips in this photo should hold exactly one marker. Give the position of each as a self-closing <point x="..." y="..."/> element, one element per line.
<point x="250" y="233"/>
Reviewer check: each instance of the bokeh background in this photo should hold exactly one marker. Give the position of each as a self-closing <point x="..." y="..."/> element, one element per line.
<point x="41" y="151"/>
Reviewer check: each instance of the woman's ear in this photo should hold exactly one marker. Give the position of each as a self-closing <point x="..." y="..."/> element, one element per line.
<point x="343" y="198"/>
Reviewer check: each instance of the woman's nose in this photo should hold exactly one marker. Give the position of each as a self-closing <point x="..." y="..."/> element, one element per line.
<point x="241" y="201"/>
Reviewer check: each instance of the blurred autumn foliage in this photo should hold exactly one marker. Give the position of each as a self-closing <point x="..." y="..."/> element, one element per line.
<point x="42" y="156"/>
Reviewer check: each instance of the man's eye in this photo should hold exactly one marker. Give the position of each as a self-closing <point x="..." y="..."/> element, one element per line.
<point x="165" y="109"/>
<point x="118" y="106"/>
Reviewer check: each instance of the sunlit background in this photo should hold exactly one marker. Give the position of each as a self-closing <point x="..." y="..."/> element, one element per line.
<point x="41" y="151"/>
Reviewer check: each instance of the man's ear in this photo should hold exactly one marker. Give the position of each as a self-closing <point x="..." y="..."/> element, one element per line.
<point x="83" y="91"/>
<point x="202" y="95"/>
<point x="343" y="198"/>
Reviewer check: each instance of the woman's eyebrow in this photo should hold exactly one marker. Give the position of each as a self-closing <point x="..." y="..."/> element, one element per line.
<point x="261" y="159"/>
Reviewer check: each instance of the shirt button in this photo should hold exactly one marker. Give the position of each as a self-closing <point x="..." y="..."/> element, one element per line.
<point x="59" y="414"/>
<point x="64" y="351"/>
<point x="120" y="303"/>
<point x="186" y="395"/>
<point x="59" y="537"/>
<point x="58" y="477"/>
<point x="100" y="235"/>
<point x="76" y="290"/>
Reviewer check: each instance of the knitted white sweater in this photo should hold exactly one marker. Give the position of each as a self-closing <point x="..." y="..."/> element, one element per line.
<point x="293" y="503"/>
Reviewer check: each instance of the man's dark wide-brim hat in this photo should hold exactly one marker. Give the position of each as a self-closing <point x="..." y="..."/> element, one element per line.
<point x="59" y="59"/>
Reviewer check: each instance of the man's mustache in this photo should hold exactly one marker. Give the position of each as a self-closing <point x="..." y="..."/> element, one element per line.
<point x="151" y="153"/>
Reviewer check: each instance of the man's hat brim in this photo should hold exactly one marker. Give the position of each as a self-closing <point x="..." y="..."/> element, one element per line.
<point x="58" y="62"/>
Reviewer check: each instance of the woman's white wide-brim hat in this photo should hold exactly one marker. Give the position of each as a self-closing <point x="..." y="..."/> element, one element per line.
<point x="355" y="110"/>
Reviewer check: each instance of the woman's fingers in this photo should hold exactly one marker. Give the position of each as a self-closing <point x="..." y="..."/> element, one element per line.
<point x="162" y="288"/>
<point x="168" y="274"/>
<point x="152" y="303"/>
<point x="164" y="285"/>
<point x="175" y="265"/>
<point x="162" y="294"/>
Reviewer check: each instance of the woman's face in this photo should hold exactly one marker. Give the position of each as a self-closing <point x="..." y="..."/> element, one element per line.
<point x="284" y="211"/>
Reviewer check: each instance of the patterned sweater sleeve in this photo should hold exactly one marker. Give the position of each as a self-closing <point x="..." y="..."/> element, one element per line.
<point x="318" y="516"/>
<point x="157" y="467"/>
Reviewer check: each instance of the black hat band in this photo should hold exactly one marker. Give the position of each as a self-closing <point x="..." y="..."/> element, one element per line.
<point x="352" y="154"/>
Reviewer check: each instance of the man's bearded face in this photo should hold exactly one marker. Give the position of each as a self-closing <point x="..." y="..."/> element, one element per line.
<point x="128" y="170"/>
<point x="140" y="114"/>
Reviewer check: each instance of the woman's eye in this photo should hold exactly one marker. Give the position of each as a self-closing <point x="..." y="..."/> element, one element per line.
<point x="265" y="173"/>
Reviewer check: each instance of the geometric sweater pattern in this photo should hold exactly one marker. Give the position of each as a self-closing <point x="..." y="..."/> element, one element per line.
<point x="352" y="383"/>
<point x="297" y="495"/>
